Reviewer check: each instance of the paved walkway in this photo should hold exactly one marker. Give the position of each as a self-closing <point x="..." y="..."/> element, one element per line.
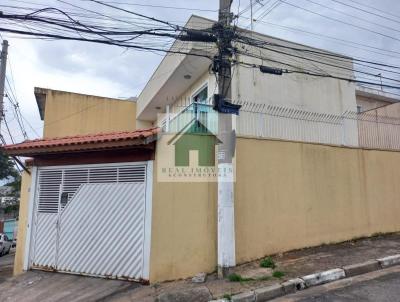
<point x="293" y="264"/>
<point x="48" y="287"/>
<point x="42" y="286"/>
<point x="7" y="265"/>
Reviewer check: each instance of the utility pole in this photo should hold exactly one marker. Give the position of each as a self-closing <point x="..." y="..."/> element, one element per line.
<point x="226" y="214"/>
<point x="3" y="64"/>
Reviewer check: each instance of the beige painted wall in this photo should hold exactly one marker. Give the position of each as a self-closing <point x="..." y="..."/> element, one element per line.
<point x="369" y="103"/>
<point x="292" y="195"/>
<point x="380" y="128"/>
<point x="22" y="223"/>
<point x="184" y="229"/>
<point x="288" y="195"/>
<point x="391" y="110"/>
<point x="71" y="114"/>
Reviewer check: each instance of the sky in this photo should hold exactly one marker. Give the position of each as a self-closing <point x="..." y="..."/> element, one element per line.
<point x="115" y="72"/>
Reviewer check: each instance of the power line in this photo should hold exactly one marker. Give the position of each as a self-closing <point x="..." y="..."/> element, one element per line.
<point x="9" y="30"/>
<point x="17" y="111"/>
<point x="278" y="71"/>
<point x="341" y="21"/>
<point x="353" y="16"/>
<point x="340" y="57"/>
<point x="136" y="14"/>
<point x="345" y="76"/>
<point x="17" y="162"/>
<point x="248" y="7"/>
<point x="269" y="10"/>
<point x="369" y="11"/>
<point x="87" y="29"/>
<point x="356" y="45"/>
<point x="12" y="92"/>
<point x="317" y="61"/>
<point x="159" y="6"/>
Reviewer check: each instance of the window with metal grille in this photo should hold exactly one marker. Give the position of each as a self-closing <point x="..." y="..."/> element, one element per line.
<point x="68" y="180"/>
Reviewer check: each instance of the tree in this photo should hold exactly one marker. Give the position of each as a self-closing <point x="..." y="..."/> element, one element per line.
<point x="11" y="177"/>
<point x="7" y="168"/>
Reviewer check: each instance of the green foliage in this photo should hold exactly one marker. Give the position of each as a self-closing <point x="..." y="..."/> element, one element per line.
<point x="268" y="262"/>
<point x="278" y="274"/>
<point x="11" y="209"/>
<point x="237" y="278"/>
<point x="7" y="168"/>
<point x="15" y="184"/>
<point x="9" y="175"/>
<point x="227" y="297"/>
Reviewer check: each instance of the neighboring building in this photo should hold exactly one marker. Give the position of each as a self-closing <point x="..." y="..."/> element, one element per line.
<point x="67" y="113"/>
<point x="96" y="173"/>
<point x="75" y="134"/>
<point x="381" y="121"/>
<point x="5" y="190"/>
<point x="8" y="200"/>
<point x="9" y="208"/>
<point x="180" y="79"/>
<point x="8" y="203"/>
<point x="369" y="98"/>
<point x="10" y="228"/>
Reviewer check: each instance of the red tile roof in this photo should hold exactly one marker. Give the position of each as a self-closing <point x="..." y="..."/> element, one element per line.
<point x="83" y="142"/>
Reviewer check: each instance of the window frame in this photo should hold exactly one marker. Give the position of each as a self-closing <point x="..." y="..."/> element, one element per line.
<point x="198" y="90"/>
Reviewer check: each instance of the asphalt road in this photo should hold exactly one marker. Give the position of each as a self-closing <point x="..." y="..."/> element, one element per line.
<point x="7" y="265"/>
<point x="380" y="286"/>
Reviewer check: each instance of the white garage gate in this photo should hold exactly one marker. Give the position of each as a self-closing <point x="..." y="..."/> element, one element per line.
<point x="93" y="220"/>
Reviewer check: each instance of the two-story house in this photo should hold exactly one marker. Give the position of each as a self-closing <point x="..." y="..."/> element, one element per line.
<point x="302" y="178"/>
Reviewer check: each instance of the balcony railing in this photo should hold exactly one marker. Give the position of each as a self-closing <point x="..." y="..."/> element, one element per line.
<point x="197" y="116"/>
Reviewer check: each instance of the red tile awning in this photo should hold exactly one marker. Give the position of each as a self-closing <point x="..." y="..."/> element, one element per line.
<point x="83" y="143"/>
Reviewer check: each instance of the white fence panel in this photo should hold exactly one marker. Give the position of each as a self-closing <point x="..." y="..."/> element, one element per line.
<point x="353" y="129"/>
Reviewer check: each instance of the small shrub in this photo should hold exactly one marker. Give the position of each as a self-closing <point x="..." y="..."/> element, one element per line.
<point x="237" y="278"/>
<point x="234" y="278"/>
<point x="227" y="297"/>
<point x="278" y="274"/>
<point x="268" y="262"/>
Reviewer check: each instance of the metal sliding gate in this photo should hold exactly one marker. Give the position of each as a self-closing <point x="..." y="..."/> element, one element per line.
<point x="91" y="220"/>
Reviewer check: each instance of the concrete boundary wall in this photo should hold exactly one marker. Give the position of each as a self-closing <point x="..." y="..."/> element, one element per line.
<point x="288" y="195"/>
<point x="293" y="195"/>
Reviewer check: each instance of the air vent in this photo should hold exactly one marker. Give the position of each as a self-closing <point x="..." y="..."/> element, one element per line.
<point x="70" y="179"/>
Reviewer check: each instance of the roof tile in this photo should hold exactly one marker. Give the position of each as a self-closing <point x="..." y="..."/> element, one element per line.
<point x="82" y="140"/>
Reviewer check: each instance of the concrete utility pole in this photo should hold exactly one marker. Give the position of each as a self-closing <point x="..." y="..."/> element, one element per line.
<point x="3" y="64"/>
<point x="226" y="214"/>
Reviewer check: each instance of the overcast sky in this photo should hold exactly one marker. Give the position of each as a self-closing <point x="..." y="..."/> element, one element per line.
<point x="114" y="72"/>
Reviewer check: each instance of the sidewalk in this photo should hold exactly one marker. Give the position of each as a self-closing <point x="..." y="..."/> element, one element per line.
<point x="45" y="286"/>
<point x="292" y="264"/>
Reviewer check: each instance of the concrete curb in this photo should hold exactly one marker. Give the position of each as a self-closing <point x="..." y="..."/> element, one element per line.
<point x="244" y="297"/>
<point x="389" y="261"/>
<point x="361" y="268"/>
<point x="291" y="286"/>
<point x="268" y="293"/>
<point x="324" y="277"/>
